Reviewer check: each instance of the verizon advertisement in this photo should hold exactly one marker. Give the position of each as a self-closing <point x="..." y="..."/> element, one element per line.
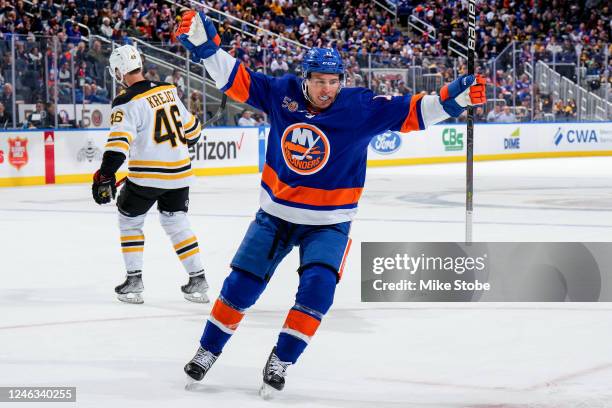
<point x="230" y="149"/>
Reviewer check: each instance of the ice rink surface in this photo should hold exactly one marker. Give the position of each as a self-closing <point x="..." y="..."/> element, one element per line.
<point x="60" y="324"/>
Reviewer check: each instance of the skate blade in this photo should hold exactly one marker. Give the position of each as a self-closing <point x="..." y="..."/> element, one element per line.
<point x="196" y="297"/>
<point x="267" y="392"/>
<point x="191" y="384"/>
<point x="135" y="298"/>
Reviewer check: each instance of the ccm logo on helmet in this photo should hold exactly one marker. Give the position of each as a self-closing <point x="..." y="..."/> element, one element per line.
<point x="305" y="148"/>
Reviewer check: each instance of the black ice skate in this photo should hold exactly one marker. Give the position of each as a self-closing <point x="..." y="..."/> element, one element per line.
<point x="273" y="375"/>
<point x="195" y="289"/>
<point x="199" y="365"/>
<point x="131" y="290"/>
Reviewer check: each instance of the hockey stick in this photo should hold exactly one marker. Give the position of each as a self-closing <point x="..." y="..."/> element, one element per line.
<point x="469" y="191"/>
<point x="213" y="119"/>
<point x="218" y="113"/>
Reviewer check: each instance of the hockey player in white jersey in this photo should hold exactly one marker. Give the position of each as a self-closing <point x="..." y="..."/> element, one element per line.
<point x="151" y="127"/>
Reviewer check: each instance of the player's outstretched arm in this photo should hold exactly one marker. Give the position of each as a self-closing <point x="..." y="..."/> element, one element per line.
<point x="198" y="34"/>
<point x="382" y="113"/>
<point x="453" y="99"/>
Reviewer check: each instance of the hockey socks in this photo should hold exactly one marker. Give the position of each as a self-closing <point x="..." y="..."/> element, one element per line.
<point x="240" y="291"/>
<point x="314" y="298"/>
<point x="132" y="241"/>
<point x="183" y="239"/>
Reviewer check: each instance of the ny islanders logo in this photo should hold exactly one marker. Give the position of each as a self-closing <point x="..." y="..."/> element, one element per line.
<point x="305" y="148"/>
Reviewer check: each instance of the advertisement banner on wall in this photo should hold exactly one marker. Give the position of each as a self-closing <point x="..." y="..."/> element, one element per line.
<point x="63" y="156"/>
<point x="79" y="154"/>
<point x="92" y="116"/>
<point x="226" y="151"/>
<point x="22" y="158"/>
<point x="446" y="143"/>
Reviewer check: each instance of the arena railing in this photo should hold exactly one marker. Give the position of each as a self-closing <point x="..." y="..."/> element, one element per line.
<point x="59" y="79"/>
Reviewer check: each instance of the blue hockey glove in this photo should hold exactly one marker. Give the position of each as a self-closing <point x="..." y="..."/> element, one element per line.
<point x="198" y="34"/>
<point x="463" y="91"/>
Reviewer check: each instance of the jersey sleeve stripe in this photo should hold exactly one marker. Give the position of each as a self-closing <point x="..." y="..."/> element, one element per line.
<point x="414" y="120"/>
<point x="119" y="144"/>
<point x="194" y="135"/>
<point x="118" y="139"/>
<point x="238" y="84"/>
<point x="128" y="135"/>
<point x="191" y="122"/>
<point x="152" y="163"/>
<point x="194" y="126"/>
<point x="308" y="195"/>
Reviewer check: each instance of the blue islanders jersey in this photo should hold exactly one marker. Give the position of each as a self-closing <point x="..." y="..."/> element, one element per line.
<point x="316" y="162"/>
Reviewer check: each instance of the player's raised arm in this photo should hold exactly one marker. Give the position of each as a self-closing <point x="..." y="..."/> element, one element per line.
<point x="198" y="34"/>
<point x="389" y="113"/>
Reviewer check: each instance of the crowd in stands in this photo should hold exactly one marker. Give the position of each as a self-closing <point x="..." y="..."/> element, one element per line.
<point x="57" y="59"/>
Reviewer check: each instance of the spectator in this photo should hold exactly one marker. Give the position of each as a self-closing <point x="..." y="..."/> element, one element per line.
<point x="105" y="29"/>
<point x="479" y="116"/>
<point x="89" y="95"/>
<point x="7" y="99"/>
<point x="570" y="110"/>
<point x="50" y="119"/>
<point x="38" y="118"/>
<point x="246" y="119"/>
<point x="177" y="79"/>
<point x="5" y="119"/>
<point x="279" y="67"/>
<point x="494" y="115"/>
<point x="65" y="76"/>
<point x="152" y="74"/>
<point x="506" y="116"/>
<point x="571" y="30"/>
<point x="35" y="56"/>
<point x="97" y="59"/>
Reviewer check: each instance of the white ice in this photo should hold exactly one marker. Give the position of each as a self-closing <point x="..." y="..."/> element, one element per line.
<point x="60" y="324"/>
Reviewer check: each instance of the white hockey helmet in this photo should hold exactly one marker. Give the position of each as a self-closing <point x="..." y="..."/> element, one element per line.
<point x="123" y="60"/>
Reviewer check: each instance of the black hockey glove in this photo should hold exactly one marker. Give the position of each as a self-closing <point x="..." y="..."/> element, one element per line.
<point x="103" y="188"/>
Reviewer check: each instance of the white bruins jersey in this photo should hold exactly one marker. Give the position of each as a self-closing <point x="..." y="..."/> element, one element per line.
<point x="151" y="126"/>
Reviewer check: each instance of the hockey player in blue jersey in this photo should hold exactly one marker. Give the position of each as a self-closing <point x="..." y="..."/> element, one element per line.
<point x="311" y="183"/>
